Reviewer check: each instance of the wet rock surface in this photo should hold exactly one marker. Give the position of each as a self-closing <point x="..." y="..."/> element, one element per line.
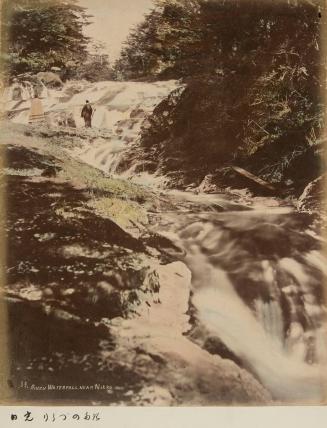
<point x="50" y="79"/>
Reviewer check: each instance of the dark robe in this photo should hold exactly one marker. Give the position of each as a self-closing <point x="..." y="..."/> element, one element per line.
<point x="87" y="115"/>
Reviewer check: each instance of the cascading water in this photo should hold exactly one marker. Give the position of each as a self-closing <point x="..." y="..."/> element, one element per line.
<point x="257" y="273"/>
<point x="119" y="107"/>
<point x="265" y="307"/>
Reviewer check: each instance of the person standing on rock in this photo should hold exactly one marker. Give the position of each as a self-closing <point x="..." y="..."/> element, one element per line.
<point x="87" y="113"/>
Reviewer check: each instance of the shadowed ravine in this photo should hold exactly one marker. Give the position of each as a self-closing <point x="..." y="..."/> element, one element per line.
<point x="247" y="277"/>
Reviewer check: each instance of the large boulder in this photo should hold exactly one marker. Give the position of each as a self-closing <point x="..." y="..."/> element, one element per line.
<point x="50" y="79"/>
<point x="312" y="198"/>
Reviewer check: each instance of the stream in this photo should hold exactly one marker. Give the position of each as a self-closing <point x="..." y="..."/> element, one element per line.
<point x="257" y="267"/>
<point x="256" y="285"/>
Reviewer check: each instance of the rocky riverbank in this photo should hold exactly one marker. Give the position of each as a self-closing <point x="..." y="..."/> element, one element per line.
<point x="98" y="305"/>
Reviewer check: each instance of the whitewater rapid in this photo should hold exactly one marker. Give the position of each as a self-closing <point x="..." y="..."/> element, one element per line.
<point x="257" y="284"/>
<point x="120" y="109"/>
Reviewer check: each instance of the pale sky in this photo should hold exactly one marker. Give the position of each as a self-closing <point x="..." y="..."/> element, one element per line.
<point x="113" y="20"/>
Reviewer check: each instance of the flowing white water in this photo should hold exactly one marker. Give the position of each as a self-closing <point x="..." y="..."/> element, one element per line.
<point x="254" y="286"/>
<point x="285" y="375"/>
<point x="238" y="294"/>
<point x="119" y="107"/>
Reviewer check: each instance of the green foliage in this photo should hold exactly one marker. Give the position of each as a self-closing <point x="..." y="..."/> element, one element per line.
<point x="96" y="70"/>
<point x="252" y="71"/>
<point x="40" y="34"/>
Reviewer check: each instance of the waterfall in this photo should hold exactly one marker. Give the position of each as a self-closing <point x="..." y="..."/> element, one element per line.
<point x="270" y="316"/>
<point x="257" y="338"/>
<point x="254" y="286"/>
<point x="265" y="310"/>
<point x="226" y="315"/>
<point x="119" y="107"/>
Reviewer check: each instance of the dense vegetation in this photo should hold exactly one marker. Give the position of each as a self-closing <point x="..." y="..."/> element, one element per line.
<point x="40" y="34"/>
<point x="252" y="72"/>
<point x="253" y="87"/>
<point x="95" y="68"/>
